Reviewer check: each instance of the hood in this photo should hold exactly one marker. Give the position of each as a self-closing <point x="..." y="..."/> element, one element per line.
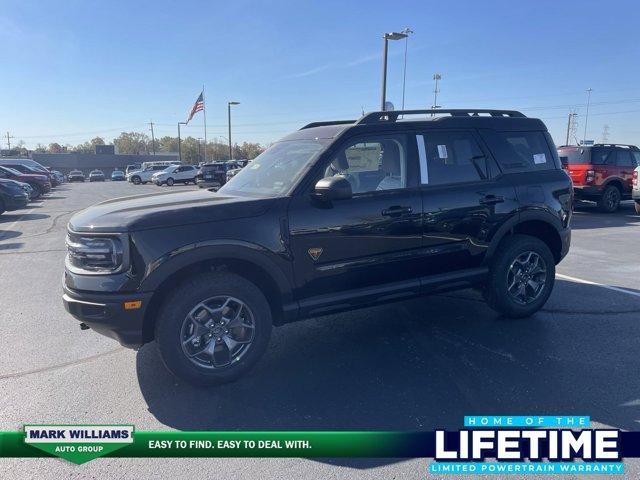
<point x="142" y="212"/>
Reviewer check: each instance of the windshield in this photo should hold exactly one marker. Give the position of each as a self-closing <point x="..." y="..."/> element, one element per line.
<point x="12" y="170"/>
<point x="276" y="170"/>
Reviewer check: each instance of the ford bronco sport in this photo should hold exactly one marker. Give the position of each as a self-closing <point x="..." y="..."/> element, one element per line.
<point x="335" y="216"/>
<point x="601" y="173"/>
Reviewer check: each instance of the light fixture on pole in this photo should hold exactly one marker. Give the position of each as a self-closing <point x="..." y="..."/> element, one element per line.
<point x="179" y="141"/>
<point x="385" y="49"/>
<point x="229" y="122"/>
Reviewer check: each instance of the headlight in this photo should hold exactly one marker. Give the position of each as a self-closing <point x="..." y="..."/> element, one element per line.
<point x="96" y="254"/>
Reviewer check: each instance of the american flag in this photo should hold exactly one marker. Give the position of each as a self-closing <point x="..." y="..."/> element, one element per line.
<point x="199" y="105"/>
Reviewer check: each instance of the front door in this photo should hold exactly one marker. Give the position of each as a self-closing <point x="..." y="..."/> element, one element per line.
<point x="369" y="240"/>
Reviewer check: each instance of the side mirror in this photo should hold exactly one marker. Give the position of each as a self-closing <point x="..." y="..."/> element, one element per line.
<point x="333" y="188"/>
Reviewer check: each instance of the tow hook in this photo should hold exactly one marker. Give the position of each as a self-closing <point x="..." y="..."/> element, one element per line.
<point x="84" y="326"/>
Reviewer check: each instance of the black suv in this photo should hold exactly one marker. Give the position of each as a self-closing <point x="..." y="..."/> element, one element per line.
<point x="336" y="216"/>
<point x="215" y="174"/>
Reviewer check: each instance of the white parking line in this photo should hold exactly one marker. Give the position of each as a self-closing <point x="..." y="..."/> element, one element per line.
<point x="603" y="285"/>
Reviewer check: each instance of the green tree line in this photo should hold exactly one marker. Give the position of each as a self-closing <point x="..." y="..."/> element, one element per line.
<point x="141" y="144"/>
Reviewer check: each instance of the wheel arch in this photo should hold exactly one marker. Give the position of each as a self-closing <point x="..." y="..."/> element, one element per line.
<point x="541" y="225"/>
<point x="251" y="265"/>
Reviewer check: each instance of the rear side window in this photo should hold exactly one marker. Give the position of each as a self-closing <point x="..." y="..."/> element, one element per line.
<point x="521" y="151"/>
<point x="451" y="157"/>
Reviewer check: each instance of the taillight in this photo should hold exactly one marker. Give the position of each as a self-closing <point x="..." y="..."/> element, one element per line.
<point x="591" y="176"/>
<point x="635" y="178"/>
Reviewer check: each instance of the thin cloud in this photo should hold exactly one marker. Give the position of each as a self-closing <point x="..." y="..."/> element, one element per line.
<point x="308" y="73"/>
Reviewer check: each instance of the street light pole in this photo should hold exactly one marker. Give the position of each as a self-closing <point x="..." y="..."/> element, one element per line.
<point x="586" y="118"/>
<point x="406" y="31"/>
<point x="180" y="141"/>
<point x="229" y="124"/>
<point x="385" y="50"/>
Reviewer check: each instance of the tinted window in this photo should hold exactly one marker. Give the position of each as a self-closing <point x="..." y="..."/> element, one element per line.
<point x="636" y="158"/>
<point x="602" y="156"/>
<point x="623" y="159"/>
<point x="520" y="151"/>
<point x="452" y="157"/>
<point x="372" y="164"/>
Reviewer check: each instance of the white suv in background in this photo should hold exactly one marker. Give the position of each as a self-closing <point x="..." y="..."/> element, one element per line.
<point x="144" y="176"/>
<point x="175" y="174"/>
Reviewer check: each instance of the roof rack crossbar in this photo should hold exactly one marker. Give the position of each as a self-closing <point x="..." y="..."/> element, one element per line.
<point x="631" y="147"/>
<point x="392" y="116"/>
<point x="326" y="124"/>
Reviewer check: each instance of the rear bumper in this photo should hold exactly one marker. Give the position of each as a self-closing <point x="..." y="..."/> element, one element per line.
<point x="105" y="313"/>
<point x="584" y="192"/>
<point x="208" y="183"/>
<point x="13" y="203"/>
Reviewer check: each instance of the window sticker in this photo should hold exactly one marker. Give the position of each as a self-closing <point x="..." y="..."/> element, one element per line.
<point x="539" y="158"/>
<point x="442" y="151"/>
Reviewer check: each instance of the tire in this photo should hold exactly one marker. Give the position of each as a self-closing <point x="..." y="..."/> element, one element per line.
<point x="170" y="182"/>
<point x="509" y="254"/>
<point x="637" y="205"/>
<point x="136" y="180"/>
<point x="609" y="202"/>
<point x="172" y="319"/>
<point x="159" y="183"/>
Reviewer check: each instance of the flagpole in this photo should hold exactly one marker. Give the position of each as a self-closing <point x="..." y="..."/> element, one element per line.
<point x="204" y="119"/>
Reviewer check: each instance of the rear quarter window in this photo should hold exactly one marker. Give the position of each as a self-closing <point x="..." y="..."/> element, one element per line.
<point x="522" y="151"/>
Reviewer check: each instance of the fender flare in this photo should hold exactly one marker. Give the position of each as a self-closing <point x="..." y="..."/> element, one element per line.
<point x="521" y="217"/>
<point x="175" y="260"/>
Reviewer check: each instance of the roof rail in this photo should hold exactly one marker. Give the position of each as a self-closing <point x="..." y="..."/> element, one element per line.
<point x="392" y="116"/>
<point x="326" y="124"/>
<point x="631" y="147"/>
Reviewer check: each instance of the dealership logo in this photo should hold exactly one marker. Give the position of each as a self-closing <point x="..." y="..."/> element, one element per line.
<point x="527" y="444"/>
<point x="315" y="253"/>
<point x="78" y="443"/>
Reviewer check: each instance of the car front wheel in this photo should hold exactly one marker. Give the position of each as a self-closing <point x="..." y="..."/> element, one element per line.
<point x="170" y="181"/>
<point x="521" y="277"/>
<point x="213" y="328"/>
<point x="136" y="180"/>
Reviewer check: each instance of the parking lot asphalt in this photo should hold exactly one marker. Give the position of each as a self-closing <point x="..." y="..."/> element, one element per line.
<point x="415" y="365"/>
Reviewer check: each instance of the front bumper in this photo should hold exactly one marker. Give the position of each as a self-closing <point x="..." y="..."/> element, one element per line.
<point x="105" y="313"/>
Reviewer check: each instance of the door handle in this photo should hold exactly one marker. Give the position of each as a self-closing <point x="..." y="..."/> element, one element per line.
<point x="396" y="211"/>
<point x="491" y="199"/>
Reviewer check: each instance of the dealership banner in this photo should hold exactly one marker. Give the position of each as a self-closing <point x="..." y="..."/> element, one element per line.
<point x="485" y="445"/>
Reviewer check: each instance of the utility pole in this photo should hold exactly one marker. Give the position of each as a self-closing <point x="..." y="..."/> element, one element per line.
<point x="385" y="50"/>
<point x="9" y="137"/>
<point x="436" y="77"/>
<point x="586" y="118"/>
<point x="180" y="141"/>
<point x="572" y="115"/>
<point x="199" y="154"/>
<point x="153" y="138"/>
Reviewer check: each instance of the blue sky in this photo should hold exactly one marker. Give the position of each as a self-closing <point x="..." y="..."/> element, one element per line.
<point x="75" y="69"/>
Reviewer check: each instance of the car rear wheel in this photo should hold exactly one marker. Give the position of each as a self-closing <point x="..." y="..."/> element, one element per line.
<point x="610" y="200"/>
<point x="136" y="180"/>
<point x="521" y="277"/>
<point x="213" y="328"/>
<point x="170" y="181"/>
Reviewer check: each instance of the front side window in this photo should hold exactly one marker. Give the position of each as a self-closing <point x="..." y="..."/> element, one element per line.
<point x="276" y="170"/>
<point x="372" y="164"/>
<point x="451" y="157"/>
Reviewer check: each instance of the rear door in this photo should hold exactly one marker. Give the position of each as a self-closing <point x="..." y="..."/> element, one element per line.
<point x="464" y="198"/>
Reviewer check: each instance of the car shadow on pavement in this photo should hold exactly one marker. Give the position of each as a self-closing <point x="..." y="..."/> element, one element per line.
<point x="7" y="234"/>
<point x="587" y="216"/>
<point x="12" y="217"/>
<point x="424" y="364"/>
